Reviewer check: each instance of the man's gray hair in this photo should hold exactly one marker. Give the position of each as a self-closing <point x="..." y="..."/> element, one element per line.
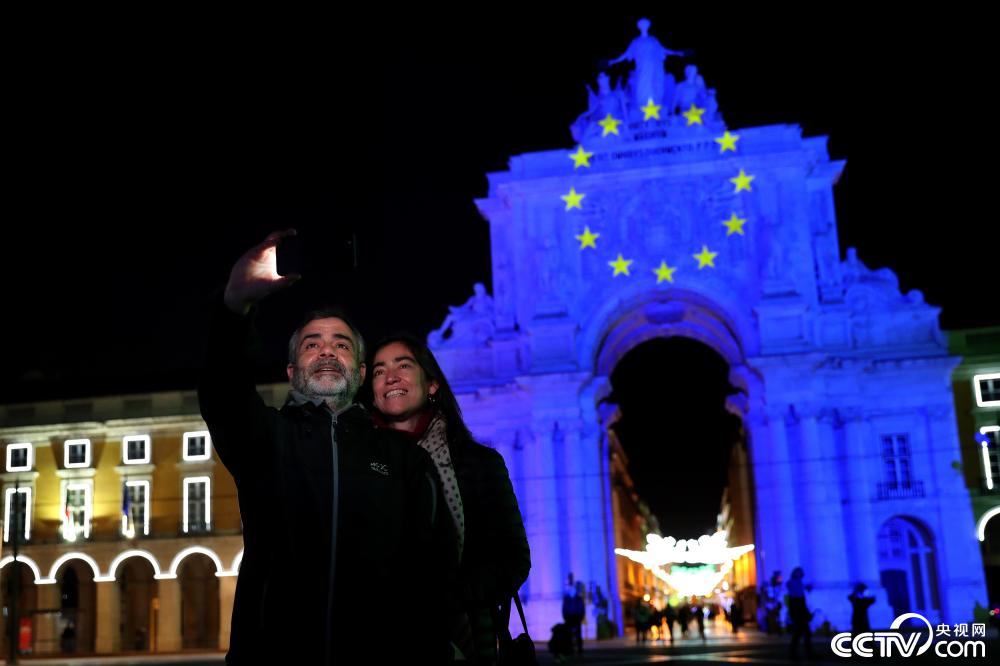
<point x="327" y="313"/>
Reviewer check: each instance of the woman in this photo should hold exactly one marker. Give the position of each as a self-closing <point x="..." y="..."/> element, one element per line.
<point x="411" y="394"/>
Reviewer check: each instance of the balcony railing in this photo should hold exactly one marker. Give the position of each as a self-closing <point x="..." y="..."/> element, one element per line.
<point x="887" y="491"/>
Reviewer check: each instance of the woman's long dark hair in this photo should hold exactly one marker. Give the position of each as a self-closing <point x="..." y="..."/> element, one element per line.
<point x="444" y="399"/>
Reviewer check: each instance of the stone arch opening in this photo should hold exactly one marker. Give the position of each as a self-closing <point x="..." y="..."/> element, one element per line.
<point x="138" y="591"/>
<point x="675" y="403"/>
<point x="673" y="423"/>
<point x="20" y="574"/>
<point x="199" y="602"/>
<point x="908" y="566"/>
<point x="77" y="603"/>
<point x="664" y="315"/>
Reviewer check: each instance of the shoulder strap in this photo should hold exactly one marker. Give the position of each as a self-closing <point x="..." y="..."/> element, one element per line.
<point x="502" y="619"/>
<point x="520" y="611"/>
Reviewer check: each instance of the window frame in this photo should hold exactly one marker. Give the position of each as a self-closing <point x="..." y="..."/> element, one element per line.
<point x="146" y="504"/>
<point x="899" y="456"/>
<point x="21" y="446"/>
<point x="976" y="380"/>
<point x="147" y="449"/>
<point x="68" y="444"/>
<point x="87" y="485"/>
<point x="186" y="498"/>
<point x="8" y="494"/>
<point x="208" y="446"/>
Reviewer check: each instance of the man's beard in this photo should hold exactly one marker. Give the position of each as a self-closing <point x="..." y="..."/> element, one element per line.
<point x="338" y="391"/>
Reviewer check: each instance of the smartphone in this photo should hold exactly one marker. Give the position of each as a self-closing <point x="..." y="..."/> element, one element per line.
<point x="327" y="252"/>
<point x="291" y="260"/>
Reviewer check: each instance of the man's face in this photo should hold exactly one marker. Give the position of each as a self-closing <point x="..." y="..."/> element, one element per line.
<point x="327" y="365"/>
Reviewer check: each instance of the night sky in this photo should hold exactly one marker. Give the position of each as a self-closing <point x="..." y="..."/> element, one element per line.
<point x="141" y="167"/>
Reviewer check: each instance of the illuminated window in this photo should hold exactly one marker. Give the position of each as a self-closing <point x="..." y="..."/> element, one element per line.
<point x="76" y="510"/>
<point x="136" y="450"/>
<point x="135" y="508"/>
<point x="17" y="513"/>
<point x="77" y="453"/>
<point x="19" y="457"/>
<point x="197" y="504"/>
<point x="896" y="462"/>
<point x="197" y="445"/>
<point x="987" y="389"/>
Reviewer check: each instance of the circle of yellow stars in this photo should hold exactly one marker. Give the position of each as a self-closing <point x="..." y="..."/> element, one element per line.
<point x="573" y="200"/>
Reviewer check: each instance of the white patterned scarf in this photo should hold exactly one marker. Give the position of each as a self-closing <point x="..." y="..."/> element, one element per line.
<point x="435" y="442"/>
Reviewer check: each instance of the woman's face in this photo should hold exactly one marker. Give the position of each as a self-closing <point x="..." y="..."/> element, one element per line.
<point x="401" y="389"/>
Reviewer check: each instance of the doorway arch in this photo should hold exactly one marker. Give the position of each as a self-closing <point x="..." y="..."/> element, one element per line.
<point x="199" y="602"/>
<point x="77" y="604"/>
<point x="137" y="591"/>
<point x="908" y="566"/>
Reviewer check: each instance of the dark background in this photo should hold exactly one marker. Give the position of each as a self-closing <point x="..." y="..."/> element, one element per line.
<point x="141" y="165"/>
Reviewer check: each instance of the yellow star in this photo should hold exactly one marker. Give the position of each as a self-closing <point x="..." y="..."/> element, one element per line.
<point x="705" y="258"/>
<point x="735" y="225"/>
<point x="573" y="199"/>
<point x="610" y="125"/>
<point x="620" y="265"/>
<point x="742" y="182"/>
<point x="581" y="158"/>
<point x="664" y="272"/>
<point x="694" y="115"/>
<point x="650" y="110"/>
<point x="727" y="142"/>
<point x="587" y="238"/>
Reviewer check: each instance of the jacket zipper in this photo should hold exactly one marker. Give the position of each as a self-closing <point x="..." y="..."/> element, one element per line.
<point x="333" y="537"/>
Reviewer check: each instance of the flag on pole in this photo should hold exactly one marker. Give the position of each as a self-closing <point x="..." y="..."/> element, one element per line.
<point x="128" y="527"/>
<point x="69" y="531"/>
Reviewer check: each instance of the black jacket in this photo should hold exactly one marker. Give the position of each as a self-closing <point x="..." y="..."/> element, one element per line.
<point x="496" y="557"/>
<point x="304" y="475"/>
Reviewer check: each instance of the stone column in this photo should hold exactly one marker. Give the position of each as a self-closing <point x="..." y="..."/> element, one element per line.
<point x="227" y="594"/>
<point x="765" y="538"/>
<point x="108" y="639"/>
<point x="786" y="507"/>
<point x="607" y="516"/>
<point x="543" y="524"/>
<point x="775" y="496"/>
<point x="824" y="549"/>
<point x="584" y="534"/>
<point x="168" y="622"/>
<point x="863" y="454"/>
<point x="827" y="550"/>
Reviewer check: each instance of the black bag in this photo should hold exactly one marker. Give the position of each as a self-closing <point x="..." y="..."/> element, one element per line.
<point x="518" y="651"/>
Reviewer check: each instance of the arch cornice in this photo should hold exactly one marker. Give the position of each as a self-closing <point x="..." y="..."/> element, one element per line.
<point x="626" y="323"/>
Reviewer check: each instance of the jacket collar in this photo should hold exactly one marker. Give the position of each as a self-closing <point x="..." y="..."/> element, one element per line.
<point x="352" y="412"/>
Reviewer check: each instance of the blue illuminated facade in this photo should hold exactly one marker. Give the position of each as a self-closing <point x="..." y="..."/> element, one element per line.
<point x="665" y="224"/>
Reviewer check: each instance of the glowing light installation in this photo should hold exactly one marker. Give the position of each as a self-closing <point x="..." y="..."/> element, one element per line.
<point x="711" y="552"/>
<point x="693" y="581"/>
<point x="703" y="550"/>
